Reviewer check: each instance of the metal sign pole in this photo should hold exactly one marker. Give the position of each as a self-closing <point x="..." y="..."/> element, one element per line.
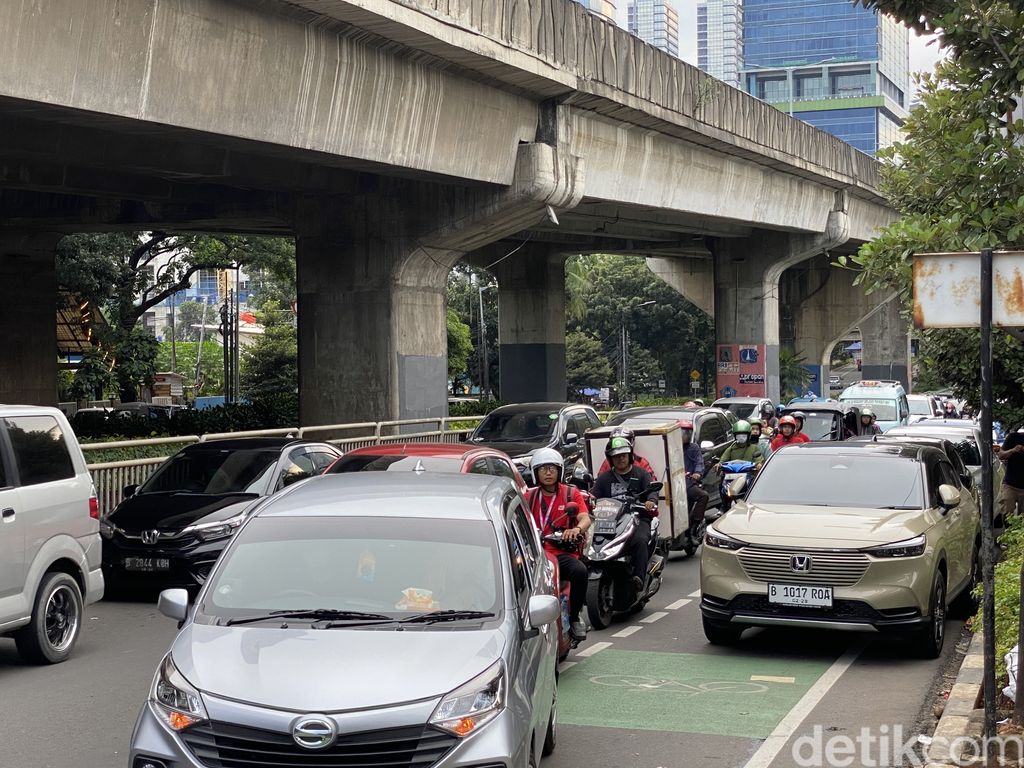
<point x="988" y="611"/>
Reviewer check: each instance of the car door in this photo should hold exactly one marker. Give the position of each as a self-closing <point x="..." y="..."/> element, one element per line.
<point x="12" y="533"/>
<point x="952" y="532"/>
<point x="964" y="523"/>
<point x="712" y="428"/>
<point x="297" y="465"/>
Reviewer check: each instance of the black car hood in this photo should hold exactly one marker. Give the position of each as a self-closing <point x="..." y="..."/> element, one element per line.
<point x="174" y="511"/>
<point x="515" y="450"/>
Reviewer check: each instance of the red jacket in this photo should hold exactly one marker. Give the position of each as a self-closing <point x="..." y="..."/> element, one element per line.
<point x="780" y="440"/>
<point x="638" y="461"/>
<point x="550" y="516"/>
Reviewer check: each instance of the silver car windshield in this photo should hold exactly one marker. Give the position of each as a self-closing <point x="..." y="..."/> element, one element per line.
<point x="810" y="478"/>
<point x="396" y="567"/>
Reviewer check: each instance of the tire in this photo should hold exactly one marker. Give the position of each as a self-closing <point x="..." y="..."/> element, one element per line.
<point x="551" y="736"/>
<point x="965" y="605"/>
<point x="720" y="633"/>
<point x="600" y="599"/>
<point x="928" y="641"/>
<point x="56" y="621"/>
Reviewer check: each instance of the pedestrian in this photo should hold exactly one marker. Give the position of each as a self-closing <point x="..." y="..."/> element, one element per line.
<point x="1011" y="494"/>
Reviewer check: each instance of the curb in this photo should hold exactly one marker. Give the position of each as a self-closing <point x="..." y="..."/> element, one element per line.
<point x="962" y="716"/>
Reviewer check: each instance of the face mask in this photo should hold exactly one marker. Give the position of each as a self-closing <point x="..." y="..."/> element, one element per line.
<point x="741" y="439"/>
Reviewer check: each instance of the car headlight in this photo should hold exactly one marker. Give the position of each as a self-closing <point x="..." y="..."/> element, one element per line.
<point x="713" y="538"/>
<point x="175" y="698"/>
<point x="472" y="705"/>
<point x="907" y="548"/>
<point x="216" y="530"/>
<point x="107" y="528"/>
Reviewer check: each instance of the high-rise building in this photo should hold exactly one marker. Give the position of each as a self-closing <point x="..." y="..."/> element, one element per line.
<point x="839" y="67"/>
<point x="655" y="22"/>
<point x="604" y="8"/>
<point x="720" y="39"/>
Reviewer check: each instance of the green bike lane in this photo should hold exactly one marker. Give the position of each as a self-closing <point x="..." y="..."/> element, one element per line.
<point x="650" y="691"/>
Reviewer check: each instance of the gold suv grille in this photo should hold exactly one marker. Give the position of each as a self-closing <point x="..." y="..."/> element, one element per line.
<point x="837" y="569"/>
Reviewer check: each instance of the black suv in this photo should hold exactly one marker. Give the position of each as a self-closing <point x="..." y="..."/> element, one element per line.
<point x="172" y="528"/>
<point x="521" y="429"/>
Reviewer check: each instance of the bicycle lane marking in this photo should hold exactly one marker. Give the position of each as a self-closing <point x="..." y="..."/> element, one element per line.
<point x="685" y="693"/>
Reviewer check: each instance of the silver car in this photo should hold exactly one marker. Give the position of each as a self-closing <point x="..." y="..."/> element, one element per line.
<point x="364" y="619"/>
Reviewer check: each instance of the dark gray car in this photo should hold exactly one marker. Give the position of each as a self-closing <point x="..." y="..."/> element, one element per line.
<point x="384" y="618"/>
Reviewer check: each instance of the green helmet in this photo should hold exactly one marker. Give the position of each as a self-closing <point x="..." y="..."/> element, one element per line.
<point x="756" y="422"/>
<point x="741" y="427"/>
<point x="618" y="445"/>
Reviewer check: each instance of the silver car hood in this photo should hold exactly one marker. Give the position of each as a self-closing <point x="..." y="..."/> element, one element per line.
<point x="329" y="670"/>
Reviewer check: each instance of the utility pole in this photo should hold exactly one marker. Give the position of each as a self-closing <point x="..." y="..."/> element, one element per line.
<point x="486" y="367"/>
<point x="199" y="353"/>
<point x="174" y="332"/>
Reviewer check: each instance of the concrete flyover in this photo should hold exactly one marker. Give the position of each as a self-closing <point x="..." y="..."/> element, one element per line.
<point x="393" y="138"/>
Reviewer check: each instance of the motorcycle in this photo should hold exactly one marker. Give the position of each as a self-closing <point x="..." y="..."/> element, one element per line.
<point x="566" y="640"/>
<point x="610" y="588"/>
<point x="732" y="471"/>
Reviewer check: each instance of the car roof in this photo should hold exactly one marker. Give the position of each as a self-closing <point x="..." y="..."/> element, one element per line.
<point x="894" y="449"/>
<point x="247" y="443"/>
<point x="389" y="494"/>
<point x="434" y="450"/>
<point x="951" y="423"/>
<point x="530" y="407"/>
<point x="817" y="405"/>
<point x="743" y="400"/>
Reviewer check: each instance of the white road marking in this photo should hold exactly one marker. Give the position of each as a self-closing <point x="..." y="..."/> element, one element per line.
<point x="653" y="617"/>
<point x="678" y="604"/>
<point x="694" y="594"/>
<point x="628" y="631"/>
<point x="590" y="650"/>
<point x="771" y="679"/>
<point x="773" y="745"/>
<point x="566" y="665"/>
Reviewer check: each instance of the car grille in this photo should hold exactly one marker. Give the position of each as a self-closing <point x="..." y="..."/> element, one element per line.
<point x="225" y="745"/>
<point x="836" y="569"/>
<point x="845" y="610"/>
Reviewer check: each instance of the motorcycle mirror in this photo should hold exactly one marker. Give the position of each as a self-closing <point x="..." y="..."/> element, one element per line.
<point x="653" y="487"/>
<point x="580" y="475"/>
<point x="738" y="489"/>
<point x="572" y="509"/>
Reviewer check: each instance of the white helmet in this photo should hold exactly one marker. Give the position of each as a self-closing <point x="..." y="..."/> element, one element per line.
<point x="546" y="456"/>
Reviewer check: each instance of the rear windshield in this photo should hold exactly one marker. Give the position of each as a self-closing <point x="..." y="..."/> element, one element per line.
<point x="214" y="472"/>
<point x="884" y="410"/>
<point x="814" y="478"/>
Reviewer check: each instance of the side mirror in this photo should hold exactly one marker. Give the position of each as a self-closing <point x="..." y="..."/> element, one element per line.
<point x="968" y="480"/>
<point x="738" y="488"/>
<point x="571" y="510"/>
<point x="582" y="478"/>
<point x="173" y="603"/>
<point x="706" y="445"/>
<point x="949" y="497"/>
<point x="542" y="610"/>
<point x="128" y="491"/>
<point x="572" y="439"/>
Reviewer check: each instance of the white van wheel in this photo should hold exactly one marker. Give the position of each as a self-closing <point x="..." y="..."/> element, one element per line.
<point x="56" y="621"/>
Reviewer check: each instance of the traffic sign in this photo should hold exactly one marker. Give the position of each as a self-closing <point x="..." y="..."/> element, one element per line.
<point x="695" y="375"/>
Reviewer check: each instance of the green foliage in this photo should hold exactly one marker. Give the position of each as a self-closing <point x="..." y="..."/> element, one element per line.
<point x="577" y="283"/>
<point x="793" y="377"/>
<point x="270" y="366"/>
<point x="188" y="316"/>
<point x="460" y="345"/>
<point x="644" y="370"/>
<point x="586" y="366"/>
<point x="1007" y="590"/>
<point x="135" y="359"/>
<point x="472" y="407"/>
<point x="186" y="353"/>
<point x="93" y="378"/>
<point x="464" y="298"/>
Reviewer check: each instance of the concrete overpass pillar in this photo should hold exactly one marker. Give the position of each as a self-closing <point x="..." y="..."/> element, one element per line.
<point x="372" y="273"/>
<point x="747" y="274"/>
<point x="693" y="279"/>
<point x="28" y="321"/>
<point x="886" y="353"/>
<point x="531" y="325"/>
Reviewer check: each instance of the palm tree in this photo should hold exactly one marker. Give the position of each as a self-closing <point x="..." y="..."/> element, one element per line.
<point x="577" y="283"/>
<point x="793" y="377"/>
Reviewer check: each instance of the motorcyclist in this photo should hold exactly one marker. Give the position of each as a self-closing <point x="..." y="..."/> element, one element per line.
<point x="693" y="464"/>
<point x="744" y="447"/>
<point x="950" y="410"/>
<point x="867" y="422"/>
<point x="758" y="436"/>
<point x="638" y="460"/>
<point x="624" y="478"/>
<point x="801" y="417"/>
<point x="768" y="416"/>
<point x="547" y="503"/>
<point x="787" y="434"/>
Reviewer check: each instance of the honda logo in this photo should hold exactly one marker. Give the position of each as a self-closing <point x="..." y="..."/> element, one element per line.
<point x="800" y="563"/>
<point x="150" y="537"/>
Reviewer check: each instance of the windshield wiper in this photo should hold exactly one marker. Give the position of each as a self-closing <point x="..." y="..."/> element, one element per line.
<point x="899" y="506"/>
<point x="315" y="614"/>
<point x="435" y="616"/>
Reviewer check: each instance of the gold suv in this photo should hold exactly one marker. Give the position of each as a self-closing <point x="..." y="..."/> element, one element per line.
<point x="869" y="536"/>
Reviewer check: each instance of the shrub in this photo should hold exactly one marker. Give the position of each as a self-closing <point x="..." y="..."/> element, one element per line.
<point x="1007" y="591"/>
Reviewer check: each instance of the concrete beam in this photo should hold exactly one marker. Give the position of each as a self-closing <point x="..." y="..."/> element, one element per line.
<point x="693" y="279"/>
<point x="28" y="322"/>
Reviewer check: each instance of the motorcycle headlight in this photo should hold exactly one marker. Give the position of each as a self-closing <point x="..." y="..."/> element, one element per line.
<point x="472" y="705"/>
<point x="907" y="548"/>
<point x="177" y="701"/>
<point x="218" y="529"/>
<point x="713" y="538"/>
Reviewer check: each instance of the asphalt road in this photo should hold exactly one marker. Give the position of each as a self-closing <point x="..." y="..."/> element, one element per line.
<point x="647" y="692"/>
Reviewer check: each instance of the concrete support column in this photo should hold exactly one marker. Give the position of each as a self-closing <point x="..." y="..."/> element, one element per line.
<point x="531" y="325"/>
<point x="372" y="273"/>
<point x="28" y="321"/>
<point x="693" y="279"/>
<point x="747" y="274"/>
<point x="885" y="338"/>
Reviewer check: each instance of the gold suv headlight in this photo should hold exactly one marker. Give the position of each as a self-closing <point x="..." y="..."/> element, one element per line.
<point x="907" y="548"/>
<point x="718" y="540"/>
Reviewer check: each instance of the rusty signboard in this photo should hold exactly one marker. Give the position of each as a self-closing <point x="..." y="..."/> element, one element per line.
<point x="947" y="289"/>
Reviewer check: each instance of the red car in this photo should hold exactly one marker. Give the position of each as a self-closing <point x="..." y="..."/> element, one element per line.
<point x="430" y="457"/>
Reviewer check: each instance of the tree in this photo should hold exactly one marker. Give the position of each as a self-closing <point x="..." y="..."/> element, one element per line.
<point x="93" y="377"/>
<point x="793" y="377"/>
<point x="577" y="283"/>
<point x="464" y="297"/>
<point x="460" y="346"/>
<point x="271" y="365"/>
<point x="644" y="370"/>
<point x="586" y="366"/>
<point x="188" y="316"/>
<point x="185" y="355"/>
<point x="129" y="273"/>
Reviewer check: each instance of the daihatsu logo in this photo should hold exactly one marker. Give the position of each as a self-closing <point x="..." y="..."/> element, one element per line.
<point x="800" y="563"/>
<point x="314" y="732"/>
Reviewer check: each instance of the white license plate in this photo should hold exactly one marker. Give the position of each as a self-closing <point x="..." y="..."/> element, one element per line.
<point x="605" y="526"/>
<point x="800" y="594"/>
<point x="147" y="564"/>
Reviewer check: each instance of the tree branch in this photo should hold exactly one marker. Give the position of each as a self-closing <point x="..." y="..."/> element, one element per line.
<point x="179" y="285"/>
<point x="143" y="248"/>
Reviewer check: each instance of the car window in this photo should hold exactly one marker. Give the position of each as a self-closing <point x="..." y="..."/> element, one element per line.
<point x="710" y="428"/>
<point x="527" y="534"/>
<point x="580" y="424"/>
<point x="948" y="475"/>
<point x="593" y="419"/>
<point x="322" y="460"/>
<point x="935" y="479"/>
<point x="481" y="467"/>
<point x="502" y="468"/>
<point x="516" y="427"/>
<point x="3" y="473"/>
<point x="40" y="453"/>
<point x="298" y="466"/>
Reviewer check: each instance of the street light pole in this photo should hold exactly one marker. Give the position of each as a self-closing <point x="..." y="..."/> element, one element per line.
<point x="625" y="349"/>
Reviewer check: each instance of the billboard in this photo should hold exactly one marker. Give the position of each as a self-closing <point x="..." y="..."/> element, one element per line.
<point x="741" y="370"/>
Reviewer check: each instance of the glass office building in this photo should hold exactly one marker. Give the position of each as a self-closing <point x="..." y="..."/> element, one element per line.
<point x="604" y="8"/>
<point x="720" y="39"/>
<point x="655" y="22"/>
<point x="839" y="67"/>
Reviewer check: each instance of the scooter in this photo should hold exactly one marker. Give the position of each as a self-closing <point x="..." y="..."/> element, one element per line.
<point x="610" y="589"/>
<point x="566" y="640"/>
<point x="732" y="471"/>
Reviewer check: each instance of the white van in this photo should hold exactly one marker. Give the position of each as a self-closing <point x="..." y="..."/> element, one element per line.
<point x="887" y="399"/>
<point x="50" y="560"/>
